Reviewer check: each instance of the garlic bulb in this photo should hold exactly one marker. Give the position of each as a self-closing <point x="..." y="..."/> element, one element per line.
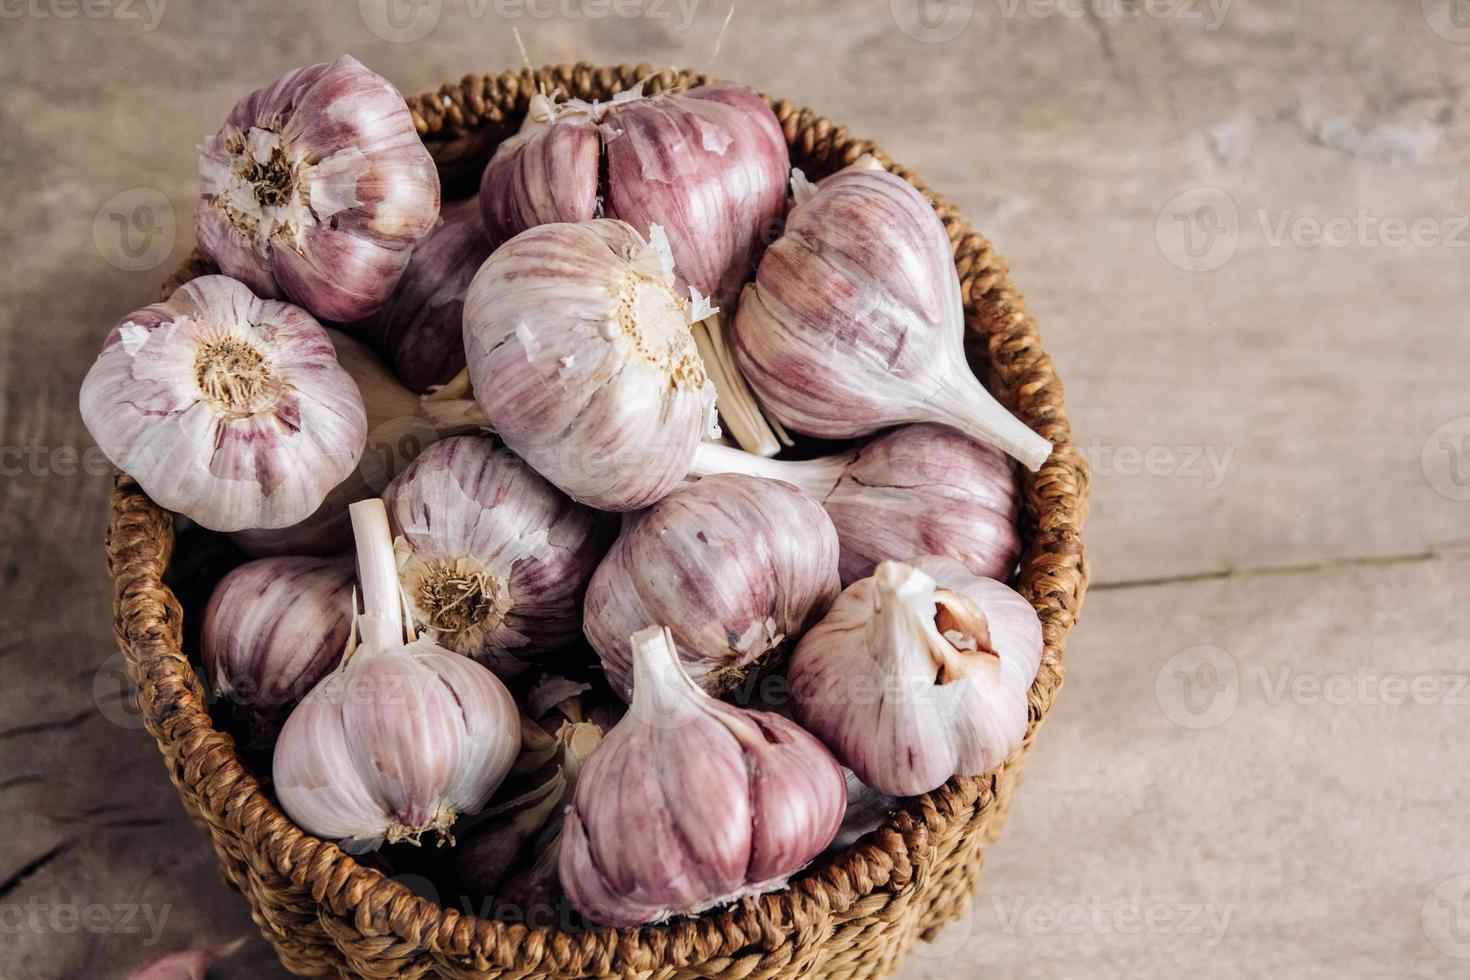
<point x="420" y="330"/>
<point x="855" y="321"/>
<point x="690" y="803"/>
<point x="493" y="560"/>
<point x="401" y="738"/>
<point x="918" y="674"/>
<point x="274" y="628"/>
<point x="316" y="188"/>
<point x="577" y="339"/>
<point x="734" y="565"/>
<point x="920" y="489"/>
<point x="708" y="165"/>
<point x="226" y="408"/>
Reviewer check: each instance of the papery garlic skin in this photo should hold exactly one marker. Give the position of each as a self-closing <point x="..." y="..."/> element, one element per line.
<point x="920" y="489"/>
<point x="734" y="565"/>
<point x="919" y="673"/>
<point x="493" y="560"/>
<point x="420" y="330"/>
<point x="316" y="188"/>
<point x="690" y="803"/>
<point x="404" y="736"/>
<point x="707" y="165"/>
<point x="274" y="628"/>
<point x="226" y="408"/>
<point x="855" y="321"/>
<point x="578" y="346"/>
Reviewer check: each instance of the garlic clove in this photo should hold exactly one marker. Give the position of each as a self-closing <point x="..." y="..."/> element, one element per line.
<point x="229" y="409"/>
<point x="494" y="560"/>
<point x="545" y="174"/>
<point x="273" y="628"/>
<point x="735" y="565"/>
<point x="855" y="321"/>
<point x="404" y="736"/>
<point x="316" y="188"/>
<point x="578" y="345"/>
<point x="919" y="673"/>
<point x="689" y="803"/>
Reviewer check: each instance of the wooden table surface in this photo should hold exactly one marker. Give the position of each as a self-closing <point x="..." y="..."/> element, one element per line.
<point x="1242" y="228"/>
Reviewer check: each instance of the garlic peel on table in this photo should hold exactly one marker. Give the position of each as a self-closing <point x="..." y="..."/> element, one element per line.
<point x="229" y="409"/>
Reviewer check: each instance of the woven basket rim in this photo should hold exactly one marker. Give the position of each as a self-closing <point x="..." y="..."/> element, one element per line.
<point x="219" y="789"/>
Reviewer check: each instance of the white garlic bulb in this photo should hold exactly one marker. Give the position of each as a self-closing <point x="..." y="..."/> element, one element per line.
<point x="493" y="560"/>
<point x="734" y="565"/>
<point x="229" y="409"/>
<point x="855" y="321"/>
<point x="578" y="345"/>
<point x="316" y="188"/>
<point x="920" y="489"/>
<point x="404" y="736"/>
<point x="274" y="628"/>
<point x="919" y="673"/>
<point x="689" y="803"/>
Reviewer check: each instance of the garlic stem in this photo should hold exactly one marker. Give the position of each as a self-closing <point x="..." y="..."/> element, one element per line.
<point x="451" y="407"/>
<point x="902" y="613"/>
<point x="377" y="571"/>
<point x="659" y="681"/>
<point x="737" y="404"/>
<point x="962" y="402"/>
<point x="817" y="477"/>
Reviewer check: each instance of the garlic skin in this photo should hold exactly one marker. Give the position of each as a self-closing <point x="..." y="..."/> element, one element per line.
<point x="578" y="347"/>
<point x="708" y="165"/>
<point x="274" y="628"/>
<point x="919" y="673"/>
<point x="734" y="565"/>
<point x="396" y="433"/>
<point x="316" y="188"/>
<point x="493" y="560"/>
<point x="420" y="330"/>
<point x="920" y="489"/>
<point x="226" y="408"/>
<point x="690" y="803"/>
<point x="855" y="321"/>
<point x="401" y="738"/>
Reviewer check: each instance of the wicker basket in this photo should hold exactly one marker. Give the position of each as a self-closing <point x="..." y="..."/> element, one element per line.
<point x="855" y="916"/>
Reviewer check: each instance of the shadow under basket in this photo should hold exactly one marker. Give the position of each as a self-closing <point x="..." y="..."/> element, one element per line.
<point x="852" y="915"/>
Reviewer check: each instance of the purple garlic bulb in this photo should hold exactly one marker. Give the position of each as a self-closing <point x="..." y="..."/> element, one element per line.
<point x="735" y="566"/>
<point x="316" y="189"/>
<point x="689" y="803"/>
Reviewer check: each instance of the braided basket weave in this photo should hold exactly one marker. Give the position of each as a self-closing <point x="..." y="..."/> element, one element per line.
<point x="855" y="916"/>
